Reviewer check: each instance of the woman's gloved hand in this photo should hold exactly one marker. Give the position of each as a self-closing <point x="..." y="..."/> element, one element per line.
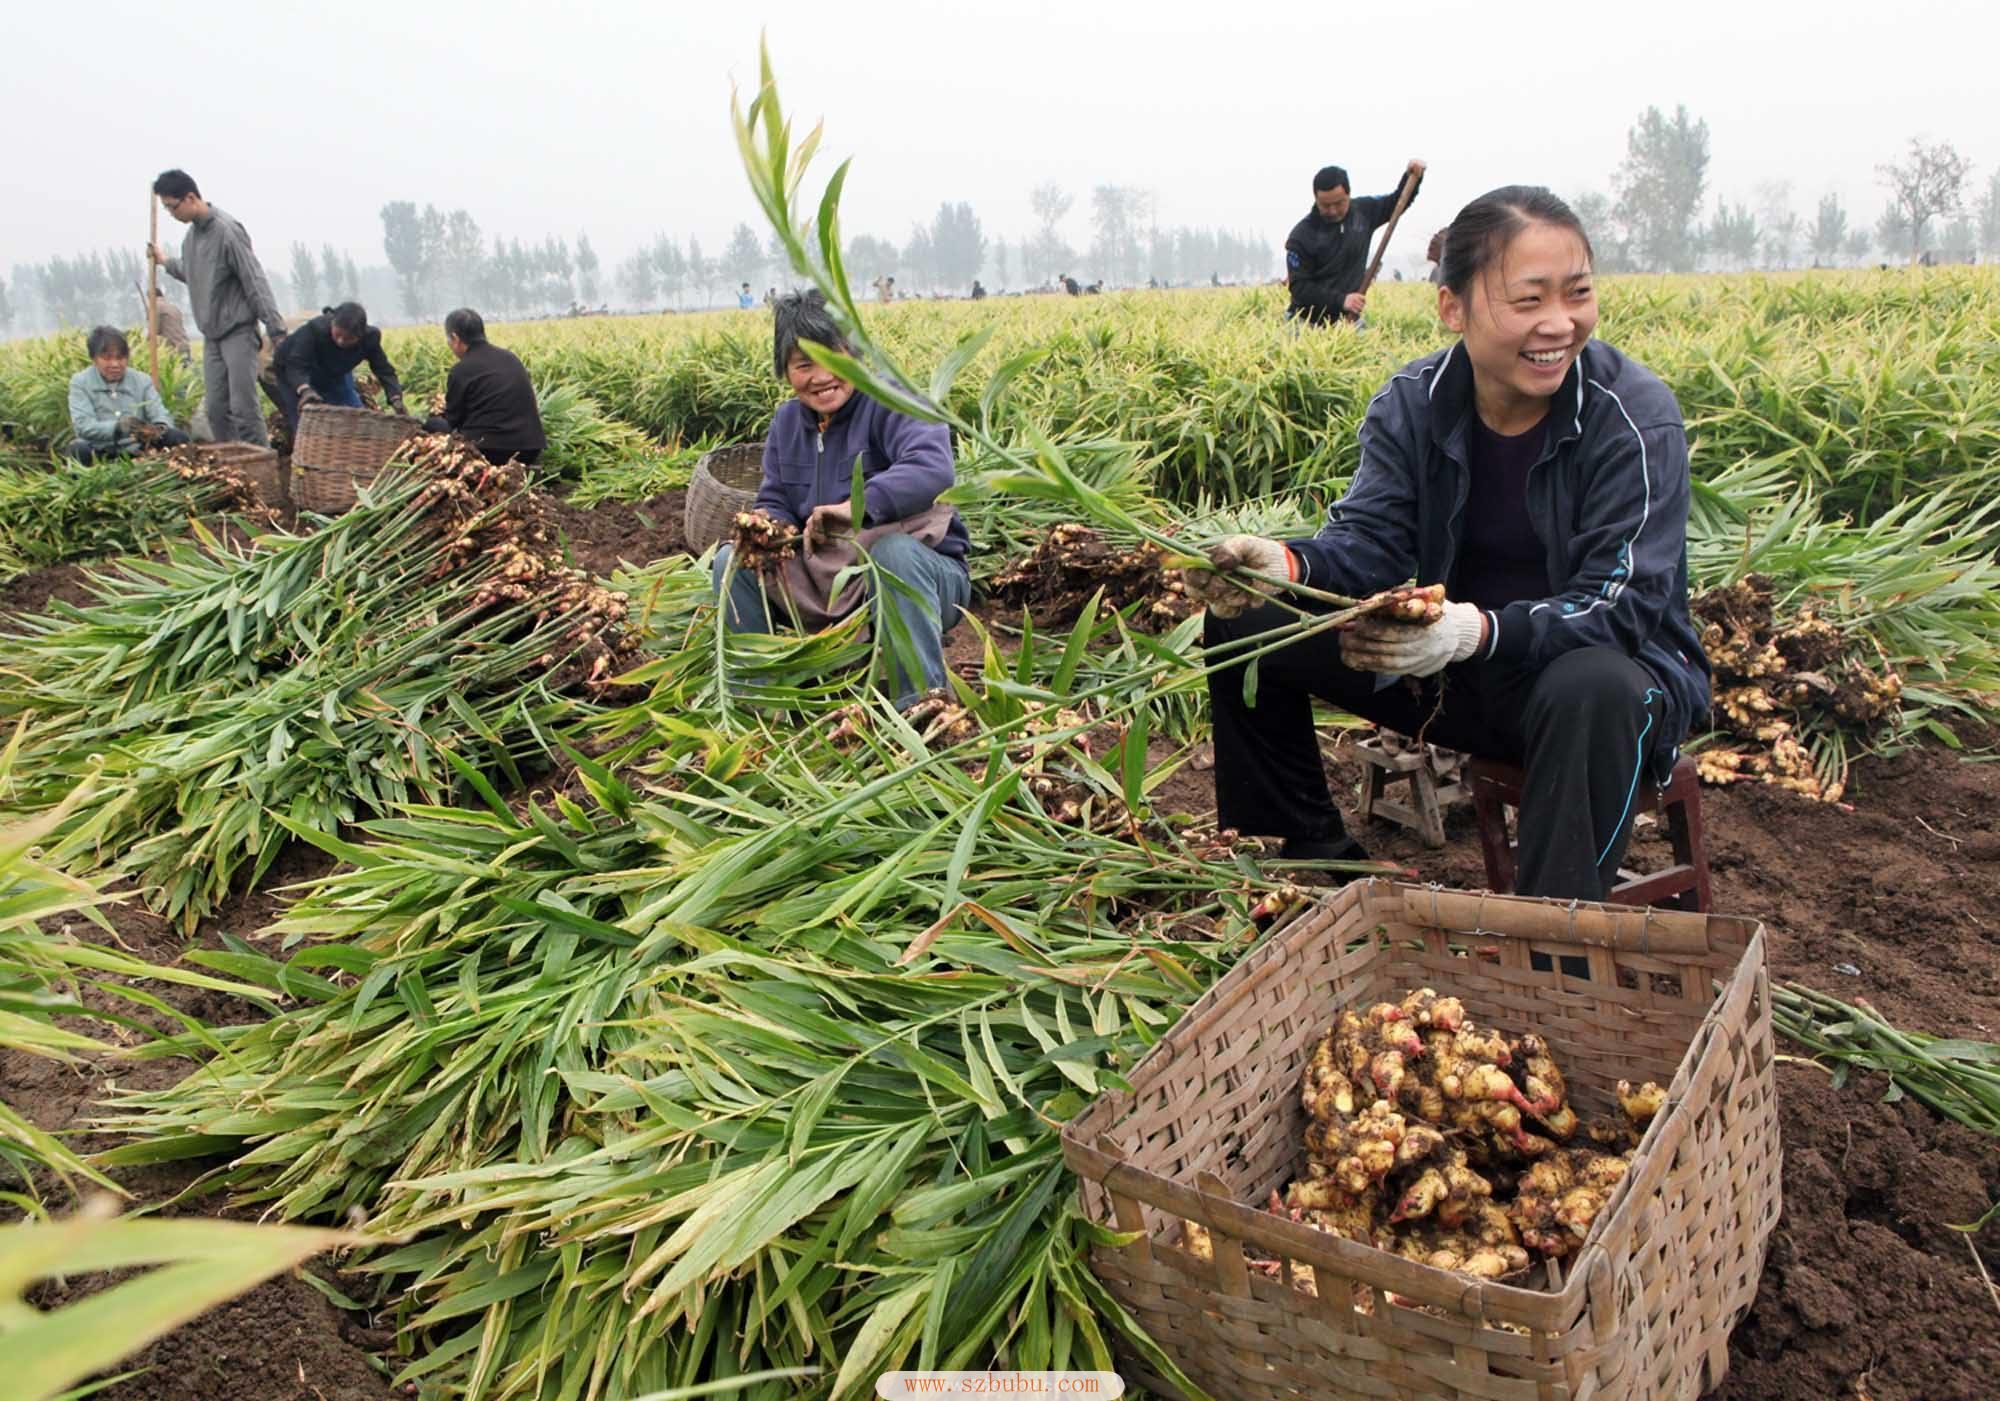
<point x="1224" y="596"/>
<point x="1414" y="649"/>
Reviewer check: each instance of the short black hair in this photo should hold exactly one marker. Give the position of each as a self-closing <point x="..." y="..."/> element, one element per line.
<point x="467" y="325"/>
<point x="105" y="338"/>
<point x="1331" y="177"/>
<point x="175" y="184"/>
<point x="351" y="317"/>
<point x="802" y="316"/>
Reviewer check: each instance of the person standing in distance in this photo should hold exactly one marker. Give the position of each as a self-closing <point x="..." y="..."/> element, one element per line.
<point x="230" y="296"/>
<point x="1326" y="253"/>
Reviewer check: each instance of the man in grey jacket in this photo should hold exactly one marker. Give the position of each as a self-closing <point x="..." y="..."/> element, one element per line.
<point x="230" y="295"/>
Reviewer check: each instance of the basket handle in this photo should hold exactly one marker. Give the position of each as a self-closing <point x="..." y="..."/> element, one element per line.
<point x="1641" y="931"/>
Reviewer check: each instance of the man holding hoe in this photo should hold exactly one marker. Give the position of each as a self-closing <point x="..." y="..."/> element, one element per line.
<point x="1326" y="254"/>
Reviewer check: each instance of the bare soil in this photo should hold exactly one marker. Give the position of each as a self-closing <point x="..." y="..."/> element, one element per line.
<point x="34" y="591"/>
<point x="1868" y="1293"/>
<point x="603" y="536"/>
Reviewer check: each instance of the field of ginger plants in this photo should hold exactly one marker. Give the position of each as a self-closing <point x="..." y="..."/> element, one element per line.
<point x="656" y="1008"/>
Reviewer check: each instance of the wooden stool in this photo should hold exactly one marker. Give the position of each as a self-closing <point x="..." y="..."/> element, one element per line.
<point x="1496" y="786"/>
<point x="1434" y="776"/>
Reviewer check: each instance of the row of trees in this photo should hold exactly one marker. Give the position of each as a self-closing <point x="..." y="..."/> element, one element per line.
<point x="443" y="260"/>
<point x="662" y="271"/>
<point x="86" y="290"/>
<point x="108" y="286"/>
<point x="946" y="254"/>
<point x="1656" y="219"/>
<point x="323" y="280"/>
<point x="1128" y="246"/>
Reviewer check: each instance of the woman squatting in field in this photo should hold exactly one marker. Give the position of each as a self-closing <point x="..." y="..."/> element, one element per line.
<point x="809" y="457"/>
<point x="1542" y="477"/>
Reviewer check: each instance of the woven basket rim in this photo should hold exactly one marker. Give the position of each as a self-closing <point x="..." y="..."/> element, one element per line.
<point x="1098" y="1160"/>
<point x="341" y="438"/>
<point x="351" y="414"/>
<point x="712" y="501"/>
<point x="746" y="459"/>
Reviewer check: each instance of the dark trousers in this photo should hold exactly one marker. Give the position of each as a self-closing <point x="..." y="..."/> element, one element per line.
<point x="1582" y="728"/>
<point x="340" y="393"/>
<point x="87" y="453"/>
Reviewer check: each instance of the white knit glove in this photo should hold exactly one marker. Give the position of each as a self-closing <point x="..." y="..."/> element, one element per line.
<point x="1251" y="554"/>
<point x="1404" y="649"/>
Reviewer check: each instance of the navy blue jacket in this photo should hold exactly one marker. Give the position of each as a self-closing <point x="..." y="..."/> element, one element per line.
<point x="1325" y="259"/>
<point x="309" y="356"/>
<point x="1608" y="499"/>
<point x="905" y="462"/>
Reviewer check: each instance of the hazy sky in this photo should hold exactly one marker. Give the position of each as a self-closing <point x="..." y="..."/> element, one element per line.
<point x="541" y="118"/>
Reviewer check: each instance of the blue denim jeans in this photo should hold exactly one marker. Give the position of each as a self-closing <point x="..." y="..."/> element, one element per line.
<point x="940" y="584"/>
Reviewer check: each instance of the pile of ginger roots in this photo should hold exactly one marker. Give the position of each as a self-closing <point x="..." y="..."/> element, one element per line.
<point x="1449" y="1144"/>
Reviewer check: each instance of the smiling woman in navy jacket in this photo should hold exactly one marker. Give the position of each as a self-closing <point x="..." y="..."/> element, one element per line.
<point x="1542" y="478"/>
<point x="906" y="464"/>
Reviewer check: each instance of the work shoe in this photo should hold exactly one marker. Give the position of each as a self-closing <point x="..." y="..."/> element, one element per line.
<point x="1341" y="848"/>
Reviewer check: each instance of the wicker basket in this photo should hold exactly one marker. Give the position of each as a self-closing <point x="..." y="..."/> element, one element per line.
<point x="337" y="450"/>
<point x="263" y="468"/>
<point x="1213" y="1121"/>
<point x="724" y="482"/>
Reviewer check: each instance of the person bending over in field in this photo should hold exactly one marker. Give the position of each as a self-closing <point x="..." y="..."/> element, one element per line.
<point x="809" y="458"/>
<point x="114" y="411"/>
<point x="488" y="395"/>
<point x="1326" y="253"/>
<point x="1542" y="478"/>
<point x="315" y="364"/>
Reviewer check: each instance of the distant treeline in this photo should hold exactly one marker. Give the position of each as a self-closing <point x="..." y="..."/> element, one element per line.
<point x="1657" y="217"/>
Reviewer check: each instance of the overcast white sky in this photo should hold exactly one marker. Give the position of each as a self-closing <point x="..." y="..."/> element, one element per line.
<point x="544" y="118"/>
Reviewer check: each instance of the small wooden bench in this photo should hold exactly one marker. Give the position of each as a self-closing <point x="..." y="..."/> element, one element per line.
<point x="1496" y="786"/>
<point x="1435" y="777"/>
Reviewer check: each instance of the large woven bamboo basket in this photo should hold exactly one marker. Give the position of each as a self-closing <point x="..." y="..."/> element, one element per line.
<point x="1213" y="1122"/>
<point x="724" y="482"/>
<point x="338" y="450"/>
<point x="264" y="469"/>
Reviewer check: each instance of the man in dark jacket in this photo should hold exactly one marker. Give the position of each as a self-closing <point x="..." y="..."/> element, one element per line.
<point x="1326" y="254"/>
<point x="809" y="459"/>
<point x="315" y="363"/>
<point x="488" y="396"/>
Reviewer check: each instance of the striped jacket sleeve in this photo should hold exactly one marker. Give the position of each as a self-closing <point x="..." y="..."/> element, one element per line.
<point x="1630" y="546"/>
<point x="1369" y="541"/>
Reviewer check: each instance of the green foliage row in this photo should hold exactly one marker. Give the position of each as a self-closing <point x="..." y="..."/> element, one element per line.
<point x="1870" y="385"/>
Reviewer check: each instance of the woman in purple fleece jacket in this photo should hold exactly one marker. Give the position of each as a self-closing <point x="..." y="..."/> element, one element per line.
<point x="906" y="465"/>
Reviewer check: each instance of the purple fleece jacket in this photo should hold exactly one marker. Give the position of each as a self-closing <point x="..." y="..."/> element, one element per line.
<point x="905" y="463"/>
